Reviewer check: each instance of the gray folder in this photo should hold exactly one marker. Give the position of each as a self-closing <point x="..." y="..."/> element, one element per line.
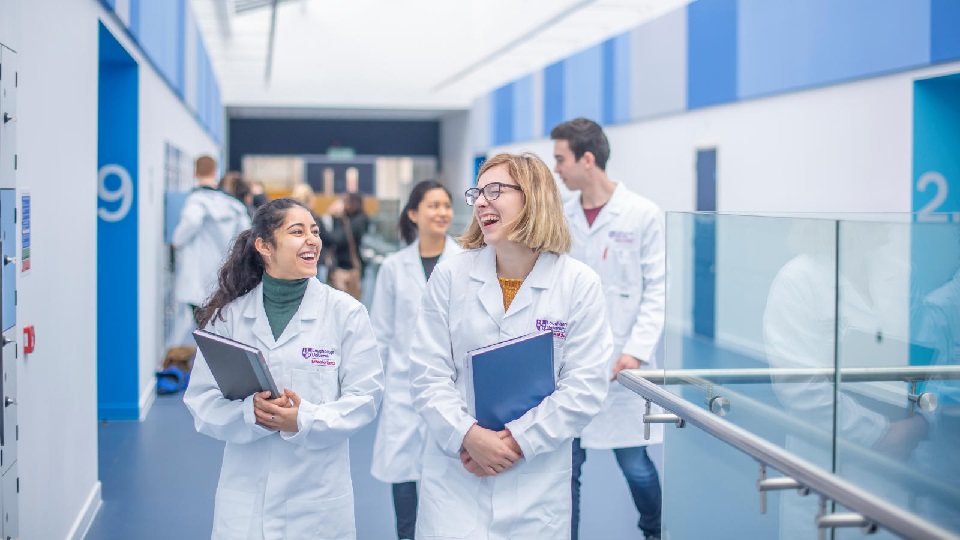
<point x="239" y="369"/>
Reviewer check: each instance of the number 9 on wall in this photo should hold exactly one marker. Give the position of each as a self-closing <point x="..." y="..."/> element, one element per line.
<point x="123" y="193"/>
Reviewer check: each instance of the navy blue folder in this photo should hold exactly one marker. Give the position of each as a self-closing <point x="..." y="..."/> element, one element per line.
<point x="507" y="379"/>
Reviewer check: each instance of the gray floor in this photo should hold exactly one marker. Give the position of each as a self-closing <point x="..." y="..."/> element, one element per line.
<point x="159" y="477"/>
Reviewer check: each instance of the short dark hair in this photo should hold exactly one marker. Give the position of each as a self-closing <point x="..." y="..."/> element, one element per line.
<point x="583" y="136"/>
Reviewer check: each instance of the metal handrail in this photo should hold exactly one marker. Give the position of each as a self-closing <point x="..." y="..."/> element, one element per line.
<point x="877" y="510"/>
<point x="765" y="375"/>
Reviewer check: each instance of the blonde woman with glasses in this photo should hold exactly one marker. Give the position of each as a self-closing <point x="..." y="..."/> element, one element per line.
<point x="514" y="279"/>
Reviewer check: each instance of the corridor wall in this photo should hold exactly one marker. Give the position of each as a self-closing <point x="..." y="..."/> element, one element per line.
<point x="809" y="105"/>
<point x="57" y="42"/>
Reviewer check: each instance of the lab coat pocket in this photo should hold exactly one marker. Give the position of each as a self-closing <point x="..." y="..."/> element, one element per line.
<point x="232" y="513"/>
<point x="448" y="505"/>
<point x="316" y="385"/>
<point x="557" y="358"/>
<point x="330" y="519"/>
<point x="543" y="506"/>
<point x="629" y="272"/>
<point x="623" y="306"/>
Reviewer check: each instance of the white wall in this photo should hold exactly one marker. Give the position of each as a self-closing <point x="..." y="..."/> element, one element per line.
<point x="57" y="149"/>
<point x="163" y="118"/>
<point x="842" y="148"/>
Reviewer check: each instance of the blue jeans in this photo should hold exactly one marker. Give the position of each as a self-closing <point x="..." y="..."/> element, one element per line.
<point x="405" y="506"/>
<point x="642" y="479"/>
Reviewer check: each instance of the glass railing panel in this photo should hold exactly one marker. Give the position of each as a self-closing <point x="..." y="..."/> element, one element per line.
<point x="899" y="308"/>
<point x="749" y="293"/>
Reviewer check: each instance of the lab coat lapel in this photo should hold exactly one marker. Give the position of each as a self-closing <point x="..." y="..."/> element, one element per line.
<point x="610" y="211"/>
<point x="261" y="326"/>
<point x="485" y="271"/>
<point x="412" y="265"/>
<point x="450" y="248"/>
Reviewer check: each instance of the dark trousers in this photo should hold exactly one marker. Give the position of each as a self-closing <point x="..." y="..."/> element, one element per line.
<point x="405" y="506"/>
<point x="642" y="479"/>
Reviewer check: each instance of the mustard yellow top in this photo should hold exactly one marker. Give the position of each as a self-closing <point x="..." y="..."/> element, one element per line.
<point x="509" y="288"/>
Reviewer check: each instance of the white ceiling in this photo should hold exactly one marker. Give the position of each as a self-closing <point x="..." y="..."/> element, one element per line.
<point x="399" y="54"/>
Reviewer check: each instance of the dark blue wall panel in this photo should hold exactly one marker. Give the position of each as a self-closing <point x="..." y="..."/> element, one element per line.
<point x="711" y="52"/>
<point x="304" y="137"/>
<point x="501" y="116"/>
<point x="553" y="76"/>
<point x="787" y="46"/>
<point x="944" y="30"/>
<point x="583" y="85"/>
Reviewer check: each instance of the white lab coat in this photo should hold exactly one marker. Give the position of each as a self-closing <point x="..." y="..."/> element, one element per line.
<point x="625" y="246"/>
<point x="209" y="222"/>
<point x="400" y="431"/>
<point x="462" y="310"/>
<point x="277" y="485"/>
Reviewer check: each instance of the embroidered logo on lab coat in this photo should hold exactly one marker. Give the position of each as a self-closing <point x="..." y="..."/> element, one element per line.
<point x="559" y="328"/>
<point x="622" y="237"/>
<point x="319" y="357"/>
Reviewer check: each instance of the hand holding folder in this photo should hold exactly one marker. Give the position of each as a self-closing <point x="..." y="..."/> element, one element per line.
<point x="507" y="379"/>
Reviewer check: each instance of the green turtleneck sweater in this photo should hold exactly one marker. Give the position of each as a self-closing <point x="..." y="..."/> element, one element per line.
<point x="281" y="299"/>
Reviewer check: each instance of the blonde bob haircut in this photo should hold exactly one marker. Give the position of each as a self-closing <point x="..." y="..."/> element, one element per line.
<point x="541" y="225"/>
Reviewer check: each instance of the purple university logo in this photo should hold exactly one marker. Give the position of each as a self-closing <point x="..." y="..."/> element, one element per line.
<point x="559" y="328"/>
<point x="622" y="237"/>
<point x="319" y="357"/>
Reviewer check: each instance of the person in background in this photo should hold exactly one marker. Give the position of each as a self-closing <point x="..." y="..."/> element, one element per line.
<point x="400" y="282"/>
<point x="348" y="209"/>
<point x="620" y="235"/>
<point x="259" y="195"/>
<point x="234" y="184"/>
<point x="345" y="226"/>
<point x="515" y="279"/>
<point x="209" y="222"/>
<point x="286" y="463"/>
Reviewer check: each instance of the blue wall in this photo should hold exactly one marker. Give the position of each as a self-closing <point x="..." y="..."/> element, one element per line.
<point x="735" y="49"/>
<point x="159" y="28"/>
<point x="118" y="386"/>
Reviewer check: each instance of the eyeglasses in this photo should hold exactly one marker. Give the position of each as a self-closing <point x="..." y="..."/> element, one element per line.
<point x="490" y="192"/>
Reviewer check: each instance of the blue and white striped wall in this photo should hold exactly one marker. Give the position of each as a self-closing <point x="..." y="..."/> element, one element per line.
<point x="167" y="34"/>
<point x="715" y="52"/>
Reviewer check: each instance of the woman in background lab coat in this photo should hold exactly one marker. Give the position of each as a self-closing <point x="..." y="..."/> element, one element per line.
<point x="286" y="468"/>
<point x="514" y="280"/>
<point x="400" y="283"/>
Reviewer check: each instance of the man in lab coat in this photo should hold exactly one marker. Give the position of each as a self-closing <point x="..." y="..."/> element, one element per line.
<point x="620" y="235"/>
<point x="209" y="222"/>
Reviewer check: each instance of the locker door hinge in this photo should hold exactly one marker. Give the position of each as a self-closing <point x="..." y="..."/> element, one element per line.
<point x="15" y="162"/>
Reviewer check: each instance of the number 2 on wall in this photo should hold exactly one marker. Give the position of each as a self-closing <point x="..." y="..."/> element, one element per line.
<point x="124" y="193"/>
<point x="929" y="213"/>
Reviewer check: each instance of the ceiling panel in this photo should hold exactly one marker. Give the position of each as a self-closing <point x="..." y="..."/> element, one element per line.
<point x="398" y="54"/>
